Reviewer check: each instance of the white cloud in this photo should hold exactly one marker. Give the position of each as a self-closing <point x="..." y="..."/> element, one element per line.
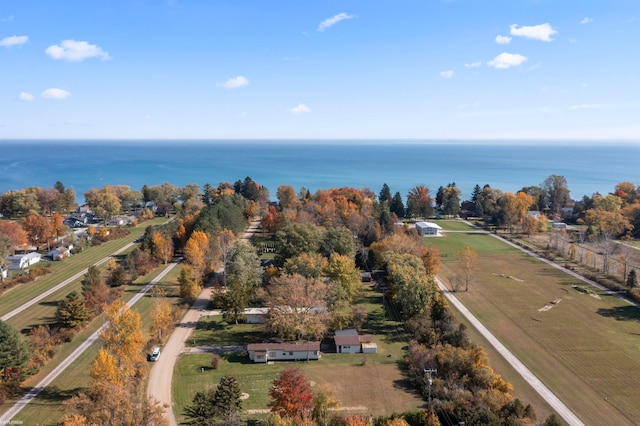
<point x="333" y="20"/>
<point x="473" y="64"/>
<point x="14" y="41"/>
<point x="584" y="106"/>
<point x="541" y="32"/>
<point x="500" y="39"/>
<point x="507" y="60"/>
<point x="24" y="96"/>
<point x="55" y="93"/>
<point x="76" y="51"/>
<point x="586" y="20"/>
<point x="300" y="109"/>
<point x="234" y="83"/>
<point x="446" y="74"/>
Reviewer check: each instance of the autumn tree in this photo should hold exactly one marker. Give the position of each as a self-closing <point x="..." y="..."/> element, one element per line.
<point x="123" y="338"/>
<point x="38" y="229"/>
<point x="14" y="233"/>
<point x="244" y="275"/>
<point x="162" y="247"/>
<point x="104" y="202"/>
<point x="189" y="287"/>
<point x="308" y="265"/>
<point x="411" y="287"/>
<point x="419" y="202"/>
<point x="72" y="312"/>
<point x="557" y="189"/>
<point x="468" y="261"/>
<point x="161" y="318"/>
<point x="224" y="244"/>
<point x="338" y="240"/>
<point x="286" y="197"/>
<point x="58" y="228"/>
<point x="296" y="239"/>
<point x="514" y="208"/>
<point x="195" y="252"/>
<point x="297" y="307"/>
<point x="324" y="401"/>
<point x="291" y="394"/>
<point x="345" y="277"/>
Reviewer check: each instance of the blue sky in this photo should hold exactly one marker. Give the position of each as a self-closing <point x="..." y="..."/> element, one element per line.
<point x="428" y="69"/>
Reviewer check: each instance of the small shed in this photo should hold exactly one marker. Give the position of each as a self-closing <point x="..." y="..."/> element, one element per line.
<point x="428" y="228"/>
<point x="350" y="342"/>
<point x="60" y="253"/>
<point x="369" y="348"/>
<point x="256" y="315"/>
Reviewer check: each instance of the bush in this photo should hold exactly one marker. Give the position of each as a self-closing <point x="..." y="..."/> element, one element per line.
<point x="215" y="361"/>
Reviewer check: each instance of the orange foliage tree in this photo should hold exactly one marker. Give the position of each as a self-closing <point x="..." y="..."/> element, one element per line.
<point x="161" y="247"/>
<point x="291" y="394"/>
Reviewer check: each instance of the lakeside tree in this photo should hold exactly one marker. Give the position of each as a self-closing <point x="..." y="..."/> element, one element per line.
<point x="411" y="287"/>
<point x="296" y="239"/>
<point x="419" y="202"/>
<point x="291" y="395"/>
<point x="244" y="275"/>
<point x="104" y="202"/>
<point x="195" y="253"/>
<point x="297" y="307"/>
<point x="162" y="247"/>
<point x="38" y="229"/>
<point x="468" y="260"/>
<point x="397" y="206"/>
<point x="385" y="194"/>
<point x="557" y="189"/>
<point x="72" y="312"/>
<point x="14" y="356"/>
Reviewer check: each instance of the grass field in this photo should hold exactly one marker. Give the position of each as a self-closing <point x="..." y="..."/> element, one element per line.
<point x="584" y="347"/>
<point x="45" y="409"/>
<point x="377" y="387"/>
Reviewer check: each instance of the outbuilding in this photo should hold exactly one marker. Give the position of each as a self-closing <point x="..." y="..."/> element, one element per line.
<point x="350" y="342"/>
<point x="428" y="228"/>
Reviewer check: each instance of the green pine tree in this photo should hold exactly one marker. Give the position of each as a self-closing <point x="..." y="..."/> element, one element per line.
<point x="72" y="311"/>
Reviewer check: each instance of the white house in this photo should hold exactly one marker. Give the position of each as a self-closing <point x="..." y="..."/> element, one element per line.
<point x="256" y="315"/>
<point x="60" y="253"/>
<point x="21" y="261"/>
<point x="428" y="228"/>
<point x="349" y="342"/>
<point x="265" y="352"/>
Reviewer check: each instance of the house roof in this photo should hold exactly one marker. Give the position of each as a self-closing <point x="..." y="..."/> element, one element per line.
<point x="290" y="347"/>
<point x="428" y="225"/>
<point x="347" y="332"/>
<point x="347" y="340"/>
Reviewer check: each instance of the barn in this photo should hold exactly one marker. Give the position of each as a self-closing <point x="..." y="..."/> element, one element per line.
<point x="428" y="228"/>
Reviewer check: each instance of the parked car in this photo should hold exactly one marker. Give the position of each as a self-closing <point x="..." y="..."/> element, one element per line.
<point x="153" y="356"/>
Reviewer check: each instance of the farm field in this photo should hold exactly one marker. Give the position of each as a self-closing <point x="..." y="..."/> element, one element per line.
<point x="377" y="386"/>
<point x="45" y="409"/>
<point x="580" y="342"/>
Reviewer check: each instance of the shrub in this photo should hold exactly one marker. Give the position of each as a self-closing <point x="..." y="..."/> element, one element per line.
<point x="215" y="361"/>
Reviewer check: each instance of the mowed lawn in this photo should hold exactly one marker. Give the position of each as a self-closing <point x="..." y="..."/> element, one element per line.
<point x="46" y="407"/>
<point x="583" y="346"/>
<point x="372" y="384"/>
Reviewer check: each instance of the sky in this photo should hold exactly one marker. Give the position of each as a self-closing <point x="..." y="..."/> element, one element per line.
<point x="320" y="69"/>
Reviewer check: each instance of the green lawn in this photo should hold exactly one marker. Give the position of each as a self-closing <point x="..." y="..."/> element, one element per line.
<point x="584" y="348"/>
<point x="377" y="388"/>
<point x="45" y="409"/>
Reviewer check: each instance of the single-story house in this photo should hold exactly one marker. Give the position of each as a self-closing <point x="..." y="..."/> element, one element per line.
<point x="21" y="261"/>
<point x="60" y="253"/>
<point x="349" y="342"/>
<point x="73" y="223"/>
<point x="265" y="352"/>
<point x="255" y="315"/>
<point x="559" y="225"/>
<point x="428" y="228"/>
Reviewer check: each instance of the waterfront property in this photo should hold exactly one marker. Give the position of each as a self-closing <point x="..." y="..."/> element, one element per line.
<point x="428" y="228"/>
<point x="349" y="341"/>
<point x="265" y="352"/>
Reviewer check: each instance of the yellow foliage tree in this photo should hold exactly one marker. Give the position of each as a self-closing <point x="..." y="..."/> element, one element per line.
<point x="195" y="252"/>
<point x="161" y="317"/>
<point x="161" y="247"/>
<point x="105" y="369"/>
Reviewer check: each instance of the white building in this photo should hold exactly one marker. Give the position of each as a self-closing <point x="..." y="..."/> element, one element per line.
<point x="21" y="261"/>
<point x="265" y="352"/>
<point x="350" y="342"/>
<point x="428" y="228"/>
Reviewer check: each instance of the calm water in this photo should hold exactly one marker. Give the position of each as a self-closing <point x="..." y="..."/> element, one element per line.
<point x="316" y="165"/>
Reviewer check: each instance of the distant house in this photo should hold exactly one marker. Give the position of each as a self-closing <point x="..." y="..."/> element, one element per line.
<point x="3" y="273"/>
<point x="255" y="315"/>
<point x="428" y="228"/>
<point x="265" y="352"/>
<point x="60" y="253"/>
<point x="117" y="221"/>
<point x="559" y="225"/>
<point x="350" y="342"/>
<point x="21" y="261"/>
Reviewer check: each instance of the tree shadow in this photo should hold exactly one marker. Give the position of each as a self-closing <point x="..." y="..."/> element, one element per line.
<point x="53" y="394"/>
<point x="621" y="313"/>
<point x="55" y="303"/>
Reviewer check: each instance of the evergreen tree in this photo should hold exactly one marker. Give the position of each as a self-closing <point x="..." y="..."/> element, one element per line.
<point x="202" y="410"/>
<point x="14" y="356"/>
<point x="632" y="280"/>
<point x="397" y="206"/>
<point x="385" y="194"/>
<point x="226" y="400"/>
<point x="72" y="311"/>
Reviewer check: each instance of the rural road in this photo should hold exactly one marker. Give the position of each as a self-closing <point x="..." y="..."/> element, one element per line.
<point x="531" y="378"/>
<point x="5" y="419"/>
<point x="162" y="372"/>
<point x="52" y="290"/>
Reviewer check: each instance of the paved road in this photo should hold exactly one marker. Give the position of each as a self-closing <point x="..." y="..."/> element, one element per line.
<point x="26" y="399"/>
<point x="59" y="286"/>
<point x="162" y="372"/>
<point x="531" y="378"/>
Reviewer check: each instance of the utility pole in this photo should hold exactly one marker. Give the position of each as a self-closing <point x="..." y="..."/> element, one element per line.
<point x="430" y="382"/>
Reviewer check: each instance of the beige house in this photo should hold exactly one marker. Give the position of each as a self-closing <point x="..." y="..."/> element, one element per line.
<point x="265" y="352"/>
